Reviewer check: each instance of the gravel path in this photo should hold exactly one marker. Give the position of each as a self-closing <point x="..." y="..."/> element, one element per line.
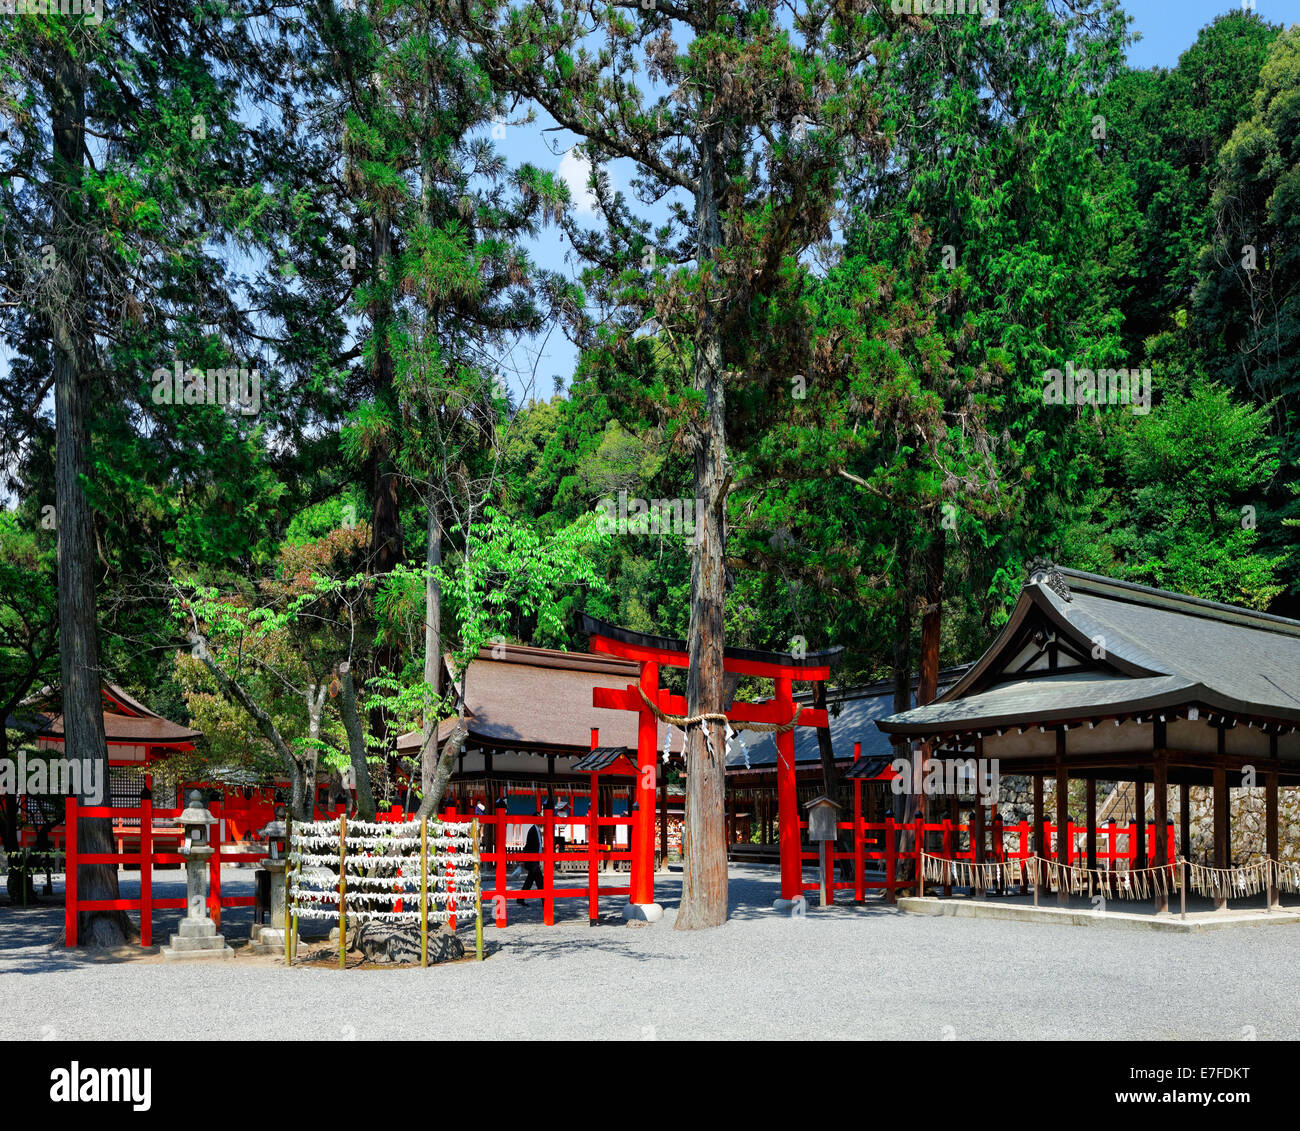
<point x="867" y="972"/>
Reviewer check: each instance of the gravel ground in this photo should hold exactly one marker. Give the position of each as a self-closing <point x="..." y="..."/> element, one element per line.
<point x="868" y="972"/>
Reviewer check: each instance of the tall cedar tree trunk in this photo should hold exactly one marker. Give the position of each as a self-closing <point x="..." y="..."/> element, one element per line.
<point x="932" y="563"/>
<point x="927" y="688"/>
<point x="357" y="752"/>
<point x="903" y="674"/>
<point x="704" y="878"/>
<point x="83" y="719"/>
<point x="386" y="519"/>
<point x="432" y="655"/>
<point x="435" y="769"/>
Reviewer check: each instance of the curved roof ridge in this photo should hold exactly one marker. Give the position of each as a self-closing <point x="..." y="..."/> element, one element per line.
<point x="1084" y="620"/>
<point x="1096" y="584"/>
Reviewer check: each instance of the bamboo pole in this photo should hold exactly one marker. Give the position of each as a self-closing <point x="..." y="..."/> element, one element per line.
<point x="343" y="891"/>
<point x="424" y="891"/>
<point x="478" y="894"/>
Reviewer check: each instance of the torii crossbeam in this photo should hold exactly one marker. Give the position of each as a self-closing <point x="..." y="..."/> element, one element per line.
<point x="653" y="652"/>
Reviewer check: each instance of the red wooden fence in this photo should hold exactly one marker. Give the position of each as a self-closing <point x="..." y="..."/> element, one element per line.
<point x="593" y="854"/>
<point x="878" y="842"/>
<point x="145" y="857"/>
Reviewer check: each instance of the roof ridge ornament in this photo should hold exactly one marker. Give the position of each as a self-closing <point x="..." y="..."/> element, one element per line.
<point x="1044" y="571"/>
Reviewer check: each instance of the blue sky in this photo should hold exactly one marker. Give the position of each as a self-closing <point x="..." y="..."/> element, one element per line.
<point x="1167" y="29"/>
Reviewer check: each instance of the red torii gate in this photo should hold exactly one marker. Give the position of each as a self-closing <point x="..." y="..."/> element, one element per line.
<point x="651" y="652"/>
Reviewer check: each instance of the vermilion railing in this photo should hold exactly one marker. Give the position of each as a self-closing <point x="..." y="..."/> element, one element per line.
<point x="593" y="854"/>
<point x="880" y="843"/>
<point x="144" y="857"/>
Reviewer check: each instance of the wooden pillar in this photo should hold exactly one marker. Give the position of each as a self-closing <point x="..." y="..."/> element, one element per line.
<point x="1090" y="820"/>
<point x="1270" y="820"/>
<point x="787" y="795"/>
<point x="1040" y="845"/>
<point x="1160" y="819"/>
<point x="977" y="842"/>
<point x="1062" y="812"/>
<point x="954" y="819"/>
<point x="1220" y="821"/>
<point x="1185" y="819"/>
<point x="1140" y="821"/>
<point x="663" y="814"/>
<point x="643" y="828"/>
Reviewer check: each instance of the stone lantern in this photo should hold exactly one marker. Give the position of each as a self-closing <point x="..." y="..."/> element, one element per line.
<point x="267" y="934"/>
<point x="197" y="936"/>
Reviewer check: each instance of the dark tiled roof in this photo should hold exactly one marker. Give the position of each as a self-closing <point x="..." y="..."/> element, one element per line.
<point x="853" y="713"/>
<point x="1151" y="649"/>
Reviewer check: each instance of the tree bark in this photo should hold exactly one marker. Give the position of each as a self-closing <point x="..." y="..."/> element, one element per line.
<point x="357" y="753"/>
<point x="429" y="762"/>
<point x="386" y="548"/>
<point x="704" y="872"/>
<point x="451" y="749"/>
<point x="83" y="710"/>
<point x="315" y="707"/>
<point x="927" y="688"/>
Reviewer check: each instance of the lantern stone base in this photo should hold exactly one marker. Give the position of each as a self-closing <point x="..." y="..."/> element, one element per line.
<point x="264" y="939"/>
<point x="196" y="938"/>
<point x="788" y="905"/>
<point x="644" y="912"/>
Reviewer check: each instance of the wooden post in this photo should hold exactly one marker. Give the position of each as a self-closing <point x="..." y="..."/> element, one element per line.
<point x="1040" y="833"/>
<point x="642" y="887"/>
<point x="1160" y="819"/>
<point x="1062" y="815"/>
<point x="1220" y="821"/>
<point x="891" y="893"/>
<point x="1185" y="819"/>
<point x="663" y="815"/>
<point x="1270" y="827"/>
<point x="1090" y="818"/>
<point x="424" y="891"/>
<point x="342" y="891"/>
<point x="787" y="796"/>
<point x="920" y="853"/>
<point x="1141" y="856"/>
<point x="593" y="854"/>
<point x="950" y="842"/>
<point x="548" y="872"/>
<point x="478" y="892"/>
<point x="70" y="875"/>
<point x="146" y="871"/>
<point x="859" y="834"/>
<point x="977" y="847"/>
<point x="500" y="827"/>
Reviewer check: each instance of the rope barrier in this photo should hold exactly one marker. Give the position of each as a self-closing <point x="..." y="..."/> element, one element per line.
<point x="1125" y="883"/>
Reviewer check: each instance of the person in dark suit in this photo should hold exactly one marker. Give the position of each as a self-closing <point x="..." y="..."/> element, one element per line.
<point x="532" y="868"/>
